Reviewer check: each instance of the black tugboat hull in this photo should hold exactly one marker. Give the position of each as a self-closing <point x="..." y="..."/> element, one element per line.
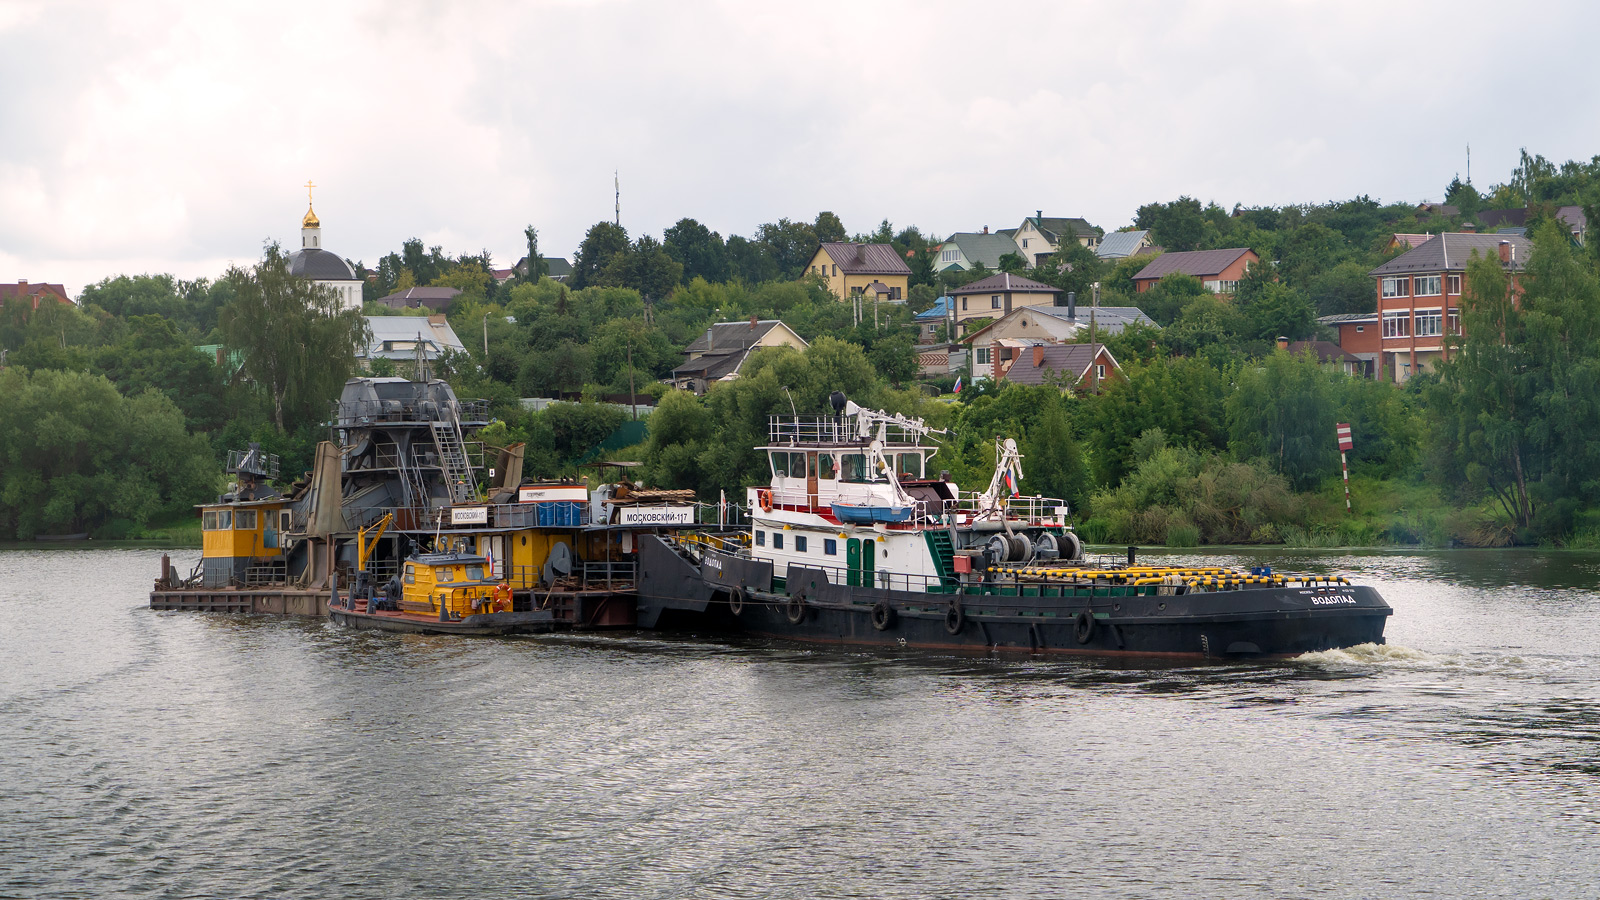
<point x="1253" y="622"/>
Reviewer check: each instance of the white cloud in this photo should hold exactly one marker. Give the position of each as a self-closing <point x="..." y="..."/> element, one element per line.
<point x="180" y="134"/>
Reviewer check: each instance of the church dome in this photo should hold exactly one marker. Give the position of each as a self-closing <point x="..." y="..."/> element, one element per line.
<point x="310" y="221"/>
<point x="320" y="265"/>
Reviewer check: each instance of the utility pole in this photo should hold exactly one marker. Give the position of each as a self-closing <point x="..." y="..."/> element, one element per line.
<point x="1094" y="370"/>
<point x="633" y="397"/>
<point x="616" y="182"/>
<point x="486" y="337"/>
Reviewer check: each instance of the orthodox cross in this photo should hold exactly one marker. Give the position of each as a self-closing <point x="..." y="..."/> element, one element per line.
<point x="309" y="186"/>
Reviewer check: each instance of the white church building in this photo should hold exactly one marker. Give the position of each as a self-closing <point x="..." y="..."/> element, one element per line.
<point x="322" y="267"/>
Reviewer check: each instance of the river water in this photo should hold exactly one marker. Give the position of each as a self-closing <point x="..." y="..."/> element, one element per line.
<point x="160" y="754"/>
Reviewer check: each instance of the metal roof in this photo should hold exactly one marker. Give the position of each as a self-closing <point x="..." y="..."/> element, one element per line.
<point x="320" y="265"/>
<point x="984" y="248"/>
<point x="1347" y="318"/>
<point x="1007" y="283"/>
<point x="1120" y="244"/>
<point x="866" y="259"/>
<point x="1198" y="263"/>
<point x="1055" y="226"/>
<point x="1069" y="359"/>
<point x="724" y="336"/>
<point x="1449" y="252"/>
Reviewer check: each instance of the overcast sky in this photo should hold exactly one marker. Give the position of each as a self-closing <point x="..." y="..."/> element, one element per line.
<point x="176" y="137"/>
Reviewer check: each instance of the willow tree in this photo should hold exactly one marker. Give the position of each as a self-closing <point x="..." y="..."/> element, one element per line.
<point x="296" y="342"/>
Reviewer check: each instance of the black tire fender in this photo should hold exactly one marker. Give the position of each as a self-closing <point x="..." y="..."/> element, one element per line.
<point x="795" y="609"/>
<point x="736" y="598"/>
<point x="955" y="618"/>
<point x="1084" y="627"/>
<point x="882" y="615"/>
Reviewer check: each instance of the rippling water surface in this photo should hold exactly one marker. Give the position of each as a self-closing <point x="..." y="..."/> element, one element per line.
<point x="157" y="754"/>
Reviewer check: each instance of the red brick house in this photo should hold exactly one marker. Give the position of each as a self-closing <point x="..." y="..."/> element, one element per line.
<point x="1419" y="299"/>
<point x="1220" y="270"/>
<point x="34" y="292"/>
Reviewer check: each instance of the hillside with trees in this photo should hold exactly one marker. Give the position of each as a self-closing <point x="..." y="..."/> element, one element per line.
<point x="116" y="422"/>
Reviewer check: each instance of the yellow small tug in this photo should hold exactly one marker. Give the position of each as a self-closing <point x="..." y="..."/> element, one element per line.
<point x="440" y="593"/>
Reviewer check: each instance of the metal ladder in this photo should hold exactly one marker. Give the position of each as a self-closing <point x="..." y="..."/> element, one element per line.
<point x="453" y="459"/>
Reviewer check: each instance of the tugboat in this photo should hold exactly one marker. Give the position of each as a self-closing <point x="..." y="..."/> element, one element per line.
<point x="854" y="543"/>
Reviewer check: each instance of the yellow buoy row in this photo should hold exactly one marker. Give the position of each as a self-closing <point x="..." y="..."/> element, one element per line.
<point x="1208" y="576"/>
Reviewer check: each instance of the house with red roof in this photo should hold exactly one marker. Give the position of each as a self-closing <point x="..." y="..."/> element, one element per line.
<point x="34" y="293"/>
<point x="1219" y="270"/>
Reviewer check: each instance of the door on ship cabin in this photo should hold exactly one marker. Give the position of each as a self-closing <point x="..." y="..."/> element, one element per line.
<point x="811" y="480"/>
<point x="859" y="557"/>
<point x="494" y="547"/>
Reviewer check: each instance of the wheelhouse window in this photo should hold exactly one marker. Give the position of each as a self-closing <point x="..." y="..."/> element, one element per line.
<point x="1425" y="286"/>
<point x="244" y="520"/>
<point x="910" y="465"/>
<point x="799" y="543"/>
<point x="474" y="573"/>
<point x="411" y="573"/>
<point x="217" y="520"/>
<point x="444" y="574"/>
<point x="780" y="465"/>
<point x="853" y="467"/>
<point x="825" y="466"/>
<point x="1397" y="324"/>
<point x="777" y="540"/>
<point x="1397" y="286"/>
<point x="1430" y="322"/>
<point x="761" y="538"/>
<point x="830" y="547"/>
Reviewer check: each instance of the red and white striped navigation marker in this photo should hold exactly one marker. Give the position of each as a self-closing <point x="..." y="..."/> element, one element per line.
<point x="1345" y="443"/>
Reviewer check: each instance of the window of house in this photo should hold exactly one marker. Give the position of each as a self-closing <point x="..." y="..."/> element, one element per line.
<point x="1397" y="286"/>
<point x="1360" y="329"/>
<point x="1455" y="322"/>
<point x="777" y="540"/>
<point x="1024" y="243"/>
<point x="1100" y="371"/>
<point x="1454" y="282"/>
<point x="983" y="356"/>
<point x="799" y="543"/>
<point x="994" y="302"/>
<point x="830" y="547"/>
<point x="761" y="538"/>
<point x="894" y="293"/>
<point x="1397" y="323"/>
<point x="963" y="304"/>
<point x="1430" y="322"/>
<point x="1425" y="286"/>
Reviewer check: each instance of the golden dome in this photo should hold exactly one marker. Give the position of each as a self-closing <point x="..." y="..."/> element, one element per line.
<point x="310" y="221"/>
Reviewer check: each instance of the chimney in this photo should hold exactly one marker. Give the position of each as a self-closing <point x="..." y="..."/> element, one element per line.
<point x="1038" y="214"/>
<point x="1469" y="228"/>
<point x="1283" y="342"/>
<point x="22" y="282"/>
<point x="985" y="229"/>
<point x="1505" y="252"/>
<point x="1072" y="304"/>
<point x="1038" y="355"/>
<point x="752" y="322"/>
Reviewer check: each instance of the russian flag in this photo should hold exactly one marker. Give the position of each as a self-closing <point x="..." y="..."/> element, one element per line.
<point x="1011" y="482"/>
<point x="958" y="384"/>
